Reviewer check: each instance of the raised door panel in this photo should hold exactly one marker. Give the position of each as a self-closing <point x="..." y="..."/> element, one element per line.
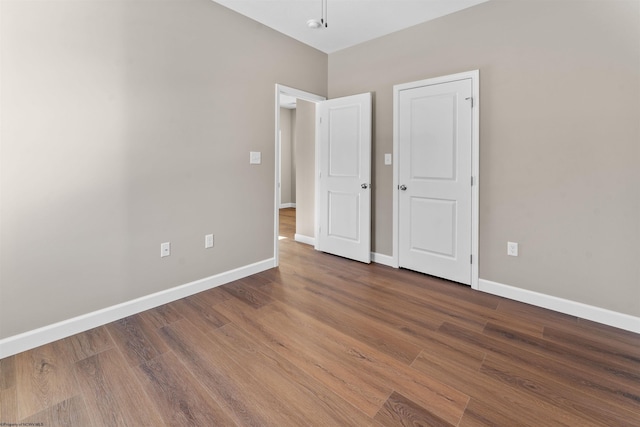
<point x="433" y="137"/>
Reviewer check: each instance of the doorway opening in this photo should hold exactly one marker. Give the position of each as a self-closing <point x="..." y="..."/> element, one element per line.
<point x="294" y="172"/>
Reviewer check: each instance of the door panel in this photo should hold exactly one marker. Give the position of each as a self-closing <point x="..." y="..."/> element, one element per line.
<point x="433" y="136"/>
<point x="433" y="223"/>
<point x="344" y="141"/>
<point x="435" y="168"/>
<point x="343" y="216"/>
<point x="344" y="194"/>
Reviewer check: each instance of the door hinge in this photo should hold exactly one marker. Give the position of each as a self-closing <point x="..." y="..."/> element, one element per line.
<point x="471" y="259"/>
<point x="320" y="120"/>
<point x="470" y="99"/>
<point x="472" y="181"/>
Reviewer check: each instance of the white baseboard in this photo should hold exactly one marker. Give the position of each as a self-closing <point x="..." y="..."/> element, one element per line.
<point x="287" y="205"/>
<point x="573" y="308"/>
<point x="305" y="239"/>
<point x="382" y="259"/>
<point x="56" y="331"/>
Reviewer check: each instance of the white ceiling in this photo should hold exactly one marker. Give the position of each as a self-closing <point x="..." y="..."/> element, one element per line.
<point x="350" y="22"/>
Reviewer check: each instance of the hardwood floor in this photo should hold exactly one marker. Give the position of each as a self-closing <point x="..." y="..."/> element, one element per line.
<point x="322" y="341"/>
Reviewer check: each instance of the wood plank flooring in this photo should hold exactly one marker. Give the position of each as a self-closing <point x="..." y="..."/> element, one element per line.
<point x="323" y="341"/>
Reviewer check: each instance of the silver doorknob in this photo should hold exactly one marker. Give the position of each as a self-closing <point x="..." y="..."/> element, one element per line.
<point x="365" y="186"/>
<point x="403" y="187"/>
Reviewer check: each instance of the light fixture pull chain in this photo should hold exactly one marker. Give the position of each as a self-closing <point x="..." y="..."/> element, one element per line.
<point x="314" y="23"/>
<point x="324" y="12"/>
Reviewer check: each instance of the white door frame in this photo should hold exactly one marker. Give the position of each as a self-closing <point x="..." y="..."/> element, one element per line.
<point x="475" y="162"/>
<point x="307" y="96"/>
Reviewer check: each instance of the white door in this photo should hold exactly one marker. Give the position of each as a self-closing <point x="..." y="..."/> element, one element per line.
<point x="434" y="203"/>
<point x="344" y="178"/>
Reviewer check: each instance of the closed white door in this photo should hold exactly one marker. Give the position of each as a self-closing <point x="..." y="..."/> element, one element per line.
<point x="344" y="179"/>
<point x="434" y="200"/>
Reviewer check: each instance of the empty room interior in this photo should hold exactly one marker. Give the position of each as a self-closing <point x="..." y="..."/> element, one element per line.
<point x="320" y="212"/>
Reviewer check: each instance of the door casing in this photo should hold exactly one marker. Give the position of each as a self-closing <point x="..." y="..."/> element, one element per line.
<point x="475" y="162"/>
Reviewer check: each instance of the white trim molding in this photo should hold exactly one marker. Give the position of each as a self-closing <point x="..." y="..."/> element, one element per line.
<point x="573" y="308"/>
<point x="66" y="328"/>
<point x="305" y="239"/>
<point x="287" y="205"/>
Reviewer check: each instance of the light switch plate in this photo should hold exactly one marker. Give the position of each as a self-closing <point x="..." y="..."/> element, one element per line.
<point x="387" y="159"/>
<point x="208" y="241"/>
<point x="165" y="249"/>
<point x="255" y="157"/>
<point x="512" y="249"/>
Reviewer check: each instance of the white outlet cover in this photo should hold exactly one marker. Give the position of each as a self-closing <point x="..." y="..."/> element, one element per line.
<point x="512" y="249"/>
<point x="208" y="241"/>
<point x="255" y="157"/>
<point x="387" y="159"/>
<point x="165" y="249"/>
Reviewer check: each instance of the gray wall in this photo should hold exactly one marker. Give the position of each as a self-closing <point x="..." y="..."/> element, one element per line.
<point x="126" y="124"/>
<point x="293" y="155"/>
<point x="305" y="167"/>
<point x="287" y="173"/>
<point x="559" y="137"/>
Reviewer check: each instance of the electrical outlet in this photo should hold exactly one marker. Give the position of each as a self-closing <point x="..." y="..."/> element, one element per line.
<point x="165" y="249"/>
<point x="512" y="249"/>
<point x="387" y="159"/>
<point x="208" y="241"/>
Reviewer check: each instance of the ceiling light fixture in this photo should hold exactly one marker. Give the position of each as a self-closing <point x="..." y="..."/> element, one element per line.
<point x="315" y="24"/>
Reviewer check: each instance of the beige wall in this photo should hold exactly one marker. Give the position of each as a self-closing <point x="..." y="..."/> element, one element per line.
<point x="293" y="156"/>
<point x="305" y="167"/>
<point x="559" y="143"/>
<point x="286" y="160"/>
<point x="126" y="124"/>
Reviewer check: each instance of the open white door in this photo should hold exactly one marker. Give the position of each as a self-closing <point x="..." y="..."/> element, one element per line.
<point x="344" y="177"/>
